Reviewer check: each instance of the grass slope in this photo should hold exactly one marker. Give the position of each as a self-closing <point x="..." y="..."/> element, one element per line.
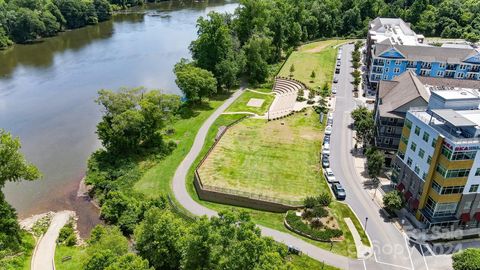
<point x="240" y="105"/>
<point x="318" y="56"/>
<point x="275" y="220"/>
<point x="157" y="180"/>
<point x="76" y="253"/>
<point x="22" y="259"/>
<point x="278" y="159"/>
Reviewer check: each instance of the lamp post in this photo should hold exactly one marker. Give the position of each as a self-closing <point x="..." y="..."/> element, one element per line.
<point x="366" y="220"/>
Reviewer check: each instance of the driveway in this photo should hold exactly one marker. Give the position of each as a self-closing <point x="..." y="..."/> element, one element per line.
<point x="44" y="254"/>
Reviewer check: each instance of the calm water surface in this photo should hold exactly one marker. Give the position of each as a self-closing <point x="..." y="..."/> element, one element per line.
<point x="47" y="93"/>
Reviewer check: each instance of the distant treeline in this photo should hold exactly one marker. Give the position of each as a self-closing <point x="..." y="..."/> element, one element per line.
<point x="299" y="20"/>
<point x="22" y="21"/>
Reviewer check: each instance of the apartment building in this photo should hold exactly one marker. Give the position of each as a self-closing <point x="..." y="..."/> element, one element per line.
<point x="437" y="166"/>
<point x="393" y="48"/>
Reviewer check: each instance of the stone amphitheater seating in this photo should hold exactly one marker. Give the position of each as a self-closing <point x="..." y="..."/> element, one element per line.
<point x="286" y="91"/>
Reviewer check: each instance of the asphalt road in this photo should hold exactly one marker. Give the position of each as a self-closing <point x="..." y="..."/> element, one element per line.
<point x="392" y="250"/>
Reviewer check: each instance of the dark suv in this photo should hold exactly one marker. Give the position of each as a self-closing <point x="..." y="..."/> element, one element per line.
<point x="339" y="191"/>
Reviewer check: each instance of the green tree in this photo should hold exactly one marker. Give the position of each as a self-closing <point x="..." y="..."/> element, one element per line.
<point x="103" y="10"/>
<point x="292" y="70"/>
<point x="375" y="162"/>
<point x="251" y="17"/>
<point x="158" y="239"/>
<point x="364" y="124"/>
<point x="313" y="75"/>
<point x="468" y="259"/>
<point x="393" y="200"/>
<point x="13" y="166"/>
<point x="4" y="39"/>
<point x="257" y="52"/>
<point x="52" y="27"/>
<point x="194" y="82"/>
<point x="10" y="238"/>
<point x="129" y="262"/>
<point x="27" y="26"/>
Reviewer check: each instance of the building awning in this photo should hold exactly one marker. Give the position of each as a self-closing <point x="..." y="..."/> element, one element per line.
<point x="465" y="217"/>
<point x="400" y="187"/>
<point x="408" y="195"/>
<point x="414" y="204"/>
<point x="477" y="216"/>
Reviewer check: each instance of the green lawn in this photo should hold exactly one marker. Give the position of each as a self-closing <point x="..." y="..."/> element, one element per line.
<point x="76" y="253"/>
<point x="305" y="262"/>
<point x="319" y="56"/>
<point x="275" y="220"/>
<point x="278" y="159"/>
<point x="240" y="105"/>
<point x="157" y="180"/>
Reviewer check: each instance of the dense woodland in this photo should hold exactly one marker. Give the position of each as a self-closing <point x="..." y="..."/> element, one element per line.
<point x="284" y="22"/>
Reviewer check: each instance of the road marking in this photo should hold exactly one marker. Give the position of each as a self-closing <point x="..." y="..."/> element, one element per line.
<point x="364" y="265"/>
<point x="423" y="256"/>
<point x="390" y="264"/>
<point x="408" y="250"/>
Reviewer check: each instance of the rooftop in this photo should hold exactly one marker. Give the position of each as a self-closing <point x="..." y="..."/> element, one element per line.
<point x="393" y="30"/>
<point x="455" y="93"/>
<point x="427" y="53"/>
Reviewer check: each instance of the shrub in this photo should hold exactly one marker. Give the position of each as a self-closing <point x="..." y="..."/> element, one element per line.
<point x="319" y="211"/>
<point x="324" y="199"/>
<point x="316" y="223"/>
<point x="393" y="200"/>
<point x="298" y="225"/>
<point x="310" y="101"/>
<point x="310" y="202"/>
<point x="307" y="214"/>
<point x="67" y="235"/>
<point x="311" y="94"/>
<point x="468" y="259"/>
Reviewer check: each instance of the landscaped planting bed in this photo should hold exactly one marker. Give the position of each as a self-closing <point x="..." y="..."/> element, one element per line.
<point x="315" y="221"/>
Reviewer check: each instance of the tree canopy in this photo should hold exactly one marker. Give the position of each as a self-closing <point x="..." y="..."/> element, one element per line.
<point x="468" y="259"/>
<point x="194" y="82"/>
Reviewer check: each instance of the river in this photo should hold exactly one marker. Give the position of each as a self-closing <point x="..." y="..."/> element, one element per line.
<point x="48" y="89"/>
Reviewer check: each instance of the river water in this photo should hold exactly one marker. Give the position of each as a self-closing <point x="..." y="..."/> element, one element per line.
<point x="47" y="93"/>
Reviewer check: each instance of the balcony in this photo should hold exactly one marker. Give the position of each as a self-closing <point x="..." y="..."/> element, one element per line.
<point x="475" y="69"/>
<point x="377" y="70"/>
<point x="451" y="67"/>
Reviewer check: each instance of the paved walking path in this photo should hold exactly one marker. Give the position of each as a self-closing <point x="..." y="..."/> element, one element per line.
<point x="363" y="251"/>
<point x="182" y="196"/>
<point x="44" y="254"/>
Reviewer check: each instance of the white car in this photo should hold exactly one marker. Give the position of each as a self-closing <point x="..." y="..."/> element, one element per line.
<point x="329" y="175"/>
<point x="334" y="90"/>
<point x="328" y="130"/>
<point x="326" y="149"/>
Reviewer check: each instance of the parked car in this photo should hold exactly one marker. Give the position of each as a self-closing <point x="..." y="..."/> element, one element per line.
<point x="326" y="139"/>
<point x="329" y="175"/>
<point x="337" y="70"/>
<point x="335" y="80"/>
<point x="294" y="250"/>
<point x="325" y="162"/>
<point x="326" y="149"/>
<point x="338" y="63"/>
<point x="334" y="90"/>
<point x="339" y="191"/>
<point x="328" y="130"/>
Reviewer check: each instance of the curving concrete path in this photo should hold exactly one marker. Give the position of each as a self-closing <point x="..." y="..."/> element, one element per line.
<point x="182" y="196"/>
<point x="44" y="254"/>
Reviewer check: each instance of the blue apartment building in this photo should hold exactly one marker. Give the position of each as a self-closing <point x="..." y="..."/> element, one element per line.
<point x="397" y="49"/>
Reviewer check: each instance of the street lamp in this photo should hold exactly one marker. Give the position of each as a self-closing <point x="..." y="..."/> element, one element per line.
<point x="366" y="220"/>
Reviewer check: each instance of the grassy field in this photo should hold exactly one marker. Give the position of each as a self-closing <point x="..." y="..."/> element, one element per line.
<point x="275" y="220"/>
<point x="157" y="180"/>
<point x="318" y="56"/>
<point x="305" y="262"/>
<point x="240" y="105"/>
<point x="278" y="159"/>
<point x="77" y="254"/>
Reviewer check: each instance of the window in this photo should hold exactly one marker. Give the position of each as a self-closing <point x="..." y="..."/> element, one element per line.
<point x="409" y="162"/>
<point x="441" y="170"/>
<point x="388" y="62"/>
<point x="452" y="190"/>
<point x="408" y="123"/>
<point x="421" y="153"/>
<point x="391" y="120"/>
<point x="404" y="140"/>
<point x="440" y="73"/>
<point x="398" y="62"/>
<point x="417" y="131"/>
<point x="477" y="172"/>
<point x="436" y="187"/>
<point x="396" y="70"/>
<point x="473" y="188"/>
<point x="458" y="155"/>
<point x="385" y="77"/>
<point x="417" y="170"/>
<point x="452" y="173"/>
<point x="413" y="146"/>
<point x="387" y="69"/>
<point x="467" y="205"/>
<point x="426" y="136"/>
<point x="434" y="142"/>
<point x="424" y="176"/>
<point x="401" y="154"/>
<point x="429" y="159"/>
<point x="440" y="209"/>
<point x="389" y="130"/>
<point x="441" y="65"/>
<point x="460" y="75"/>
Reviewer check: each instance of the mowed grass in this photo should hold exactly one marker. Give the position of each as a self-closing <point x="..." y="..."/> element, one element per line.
<point x="317" y="56"/>
<point x="157" y="180"/>
<point x="240" y="105"/>
<point x="278" y="159"/>
<point x="76" y="253"/>
<point x="22" y="259"/>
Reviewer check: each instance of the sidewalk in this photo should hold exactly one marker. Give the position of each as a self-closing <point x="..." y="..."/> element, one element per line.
<point x="363" y="252"/>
